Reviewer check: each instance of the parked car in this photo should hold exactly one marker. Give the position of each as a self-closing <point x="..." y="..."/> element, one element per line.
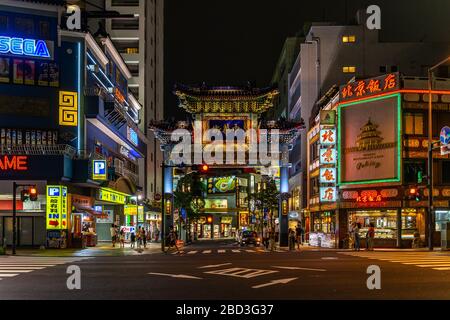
<point x="250" y="237"/>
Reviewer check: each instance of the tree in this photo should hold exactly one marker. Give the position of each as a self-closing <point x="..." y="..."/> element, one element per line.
<point x="266" y="197"/>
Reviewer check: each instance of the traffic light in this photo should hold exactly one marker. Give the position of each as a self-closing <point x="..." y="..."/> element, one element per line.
<point x="33" y="194"/>
<point x="414" y="193"/>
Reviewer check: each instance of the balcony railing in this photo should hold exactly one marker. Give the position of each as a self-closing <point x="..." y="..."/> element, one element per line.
<point x="39" y="150"/>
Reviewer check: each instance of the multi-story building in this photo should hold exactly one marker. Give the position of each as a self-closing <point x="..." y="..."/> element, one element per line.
<point x="367" y="154"/>
<point x="335" y="54"/>
<point x="68" y="126"/>
<point x="140" y="41"/>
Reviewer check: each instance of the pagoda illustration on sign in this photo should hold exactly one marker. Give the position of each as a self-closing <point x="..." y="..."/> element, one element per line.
<point x="369" y="138"/>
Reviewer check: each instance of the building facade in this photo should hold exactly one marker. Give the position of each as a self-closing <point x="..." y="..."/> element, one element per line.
<point x="367" y="153"/>
<point x="69" y="118"/>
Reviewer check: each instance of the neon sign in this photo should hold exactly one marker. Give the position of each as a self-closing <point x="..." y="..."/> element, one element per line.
<point x="24" y="47"/>
<point x="370" y="87"/>
<point x="14" y="163"/>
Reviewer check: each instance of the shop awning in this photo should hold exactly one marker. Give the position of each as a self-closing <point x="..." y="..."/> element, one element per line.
<point x="91" y="212"/>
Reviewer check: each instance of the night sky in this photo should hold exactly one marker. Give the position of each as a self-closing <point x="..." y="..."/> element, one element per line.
<point x="234" y="41"/>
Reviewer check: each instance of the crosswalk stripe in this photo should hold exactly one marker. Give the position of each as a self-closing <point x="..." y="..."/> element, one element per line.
<point x="251" y="251"/>
<point x="8" y="275"/>
<point x="21" y="268"/>
<point x="442" y="269"/>
<point x="236" y="251"/>
<point x="18" y="271"/>
<point x="221" y="251"/>
<point x="207" y="251"/>
<point x="434" y="265"/>
<point x="192" y="252"/>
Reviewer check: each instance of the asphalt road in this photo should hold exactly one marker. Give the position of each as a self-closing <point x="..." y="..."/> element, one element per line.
<point x="212" y="270"/>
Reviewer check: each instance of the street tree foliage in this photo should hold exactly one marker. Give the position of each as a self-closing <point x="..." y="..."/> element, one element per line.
<point x="189" y="195"/>
<point x="267" y="197"/>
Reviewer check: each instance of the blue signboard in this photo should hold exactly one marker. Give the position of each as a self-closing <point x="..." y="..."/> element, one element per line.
<point x="445" y="135"/>
<point x="24" y="47"/>
<point x="99" y="170"/>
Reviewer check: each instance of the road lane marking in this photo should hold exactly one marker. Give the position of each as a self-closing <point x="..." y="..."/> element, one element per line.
<point x="8" y="275"/>
<point x="434" y="265"/>
<point x="236" y="251"/>
<point x="329" y="258"/>
<point x="215" y="265"/>
<point x="192" y="252"/>
<point x="274" y="282"/>
<point x="207" y="251"/>
<point x="442" y="269"/>
<point x="221" y="251"/>
<point x="241" y="272"/>
<point x="299" y="268"/>
<point x="15" y="270"/>
<point x="22" y="268"/>
<point x="178" y="276"/>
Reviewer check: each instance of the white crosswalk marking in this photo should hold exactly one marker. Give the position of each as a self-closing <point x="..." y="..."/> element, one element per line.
<point x="17" y="265"/>
<point x="432" y="260"/>
<point x="192" y="252"/>
<point x="207" y="251"/>
<point x="221" y="251"/>
<point x="241" y="272"/>
<point x="233" y="251"/>
<point x="236" y="251"/>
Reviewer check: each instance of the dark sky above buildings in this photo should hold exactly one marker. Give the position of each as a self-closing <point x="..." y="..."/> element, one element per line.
<point x="230" y="42"/>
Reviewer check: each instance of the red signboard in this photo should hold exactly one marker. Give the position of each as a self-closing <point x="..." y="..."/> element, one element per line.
<point x="13" y="163"/>
<point x="370" y="87"/>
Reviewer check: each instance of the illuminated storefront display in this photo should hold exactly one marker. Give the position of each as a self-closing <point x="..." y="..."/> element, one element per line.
<point x="221" y="185"/>
<point x="24" y="47"/>
<point x="370" y="141"/>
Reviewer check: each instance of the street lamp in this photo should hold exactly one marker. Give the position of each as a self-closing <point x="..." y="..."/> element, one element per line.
<point x="430" y="152"/>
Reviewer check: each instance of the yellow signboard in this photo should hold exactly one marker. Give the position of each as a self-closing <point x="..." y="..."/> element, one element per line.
<point x="113" y="196"/>
<point x="53" y="212"/>
<point x="132" y="210"/>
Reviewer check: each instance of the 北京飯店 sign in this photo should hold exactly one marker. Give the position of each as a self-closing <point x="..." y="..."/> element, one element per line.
<point x="369" y="87"/>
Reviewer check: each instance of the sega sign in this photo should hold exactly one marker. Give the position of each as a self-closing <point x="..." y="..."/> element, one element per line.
<point x="99" y="170"/>
<point x="25" y="47"/>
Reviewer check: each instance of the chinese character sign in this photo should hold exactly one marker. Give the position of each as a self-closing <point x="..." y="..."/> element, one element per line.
<point x="328" y="175"/>
<point x="328" y="194"/>
<point x="328" y="156"/>
<point x="64" y="225"/>
<point x="53" y="211"/>
<point x="370" y="87"/>
<point x="327" y="137"/>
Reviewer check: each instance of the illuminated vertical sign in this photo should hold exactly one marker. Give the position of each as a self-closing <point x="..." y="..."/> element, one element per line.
<point x="132" y="136"/>
<point x="68" y="109"/>
<point x="64" y="219"/>
<point x="328" y="156"/>
<point x="328" y="194"/>
<point x="53" y="212"/>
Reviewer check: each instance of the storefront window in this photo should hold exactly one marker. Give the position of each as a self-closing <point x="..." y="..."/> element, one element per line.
<point x="324" y="222"/>
<point x="442" y="216"/>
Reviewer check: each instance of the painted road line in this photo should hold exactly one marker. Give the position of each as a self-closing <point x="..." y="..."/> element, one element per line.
<point x="15" y="270"/>
<point x="22" y="267"/>
<point x="8" y="275"/>
<point x="236" y="251"/>
<point x="241" y="272"/>
<point x="178" y="276"/>
<point x="442" y="269"/>
<point x="423" y="262"/>
<point x="192" y="252"/>
<point x="221" y="251"/>
<point x="299" y="268"/>
<point x="329" y="258"/>
<point x="433" y="265"/>
<point x="214" y="265"/>
<point x="274" y="282"/>
<point x="207" y="251"/>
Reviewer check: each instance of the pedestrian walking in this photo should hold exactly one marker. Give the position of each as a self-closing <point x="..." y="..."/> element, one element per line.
<point x="138" y="238"/>
<point x="172" y="238"/>
<point x="156" y="234"/>
<point x="370" y="236"/>
<point x="122" y="238"/>
<point x="144" y="237"/>
<point x="266" y="237"/>
<point x="272" y="240"/>
<point x="351" y="235"/>
<point x="291" y="239"/>
<point x="113" y="231"/>
<point x="298" y="235"/>
<point x="133" y="239"/>
<point x="357" y="236"/>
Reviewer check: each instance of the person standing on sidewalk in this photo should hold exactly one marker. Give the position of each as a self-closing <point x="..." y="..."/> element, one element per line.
<point x="122" y="239"/>
<point x="144" y="237"/>
<point x="357" y="237"/>
<point x="370" y="236"/>
<point x="133" y="240"/>
<point x="113" y="231"/>
<point x="298" y="235"/>
<point x="265" y="236"/>
<point x="291" y="239"/>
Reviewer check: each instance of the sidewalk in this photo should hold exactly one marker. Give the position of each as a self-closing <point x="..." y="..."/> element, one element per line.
<point x="101" y="250"/>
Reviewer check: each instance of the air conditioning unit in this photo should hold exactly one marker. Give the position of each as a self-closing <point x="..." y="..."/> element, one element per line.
<point x="445" y="236"/>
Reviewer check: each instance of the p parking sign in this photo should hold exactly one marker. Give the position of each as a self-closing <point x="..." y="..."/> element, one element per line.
<point x="99" y="170"/>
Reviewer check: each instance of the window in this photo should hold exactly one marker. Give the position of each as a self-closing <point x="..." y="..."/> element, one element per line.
<point x="125" y="24"/>
<point x="413" y="123"/>
<point x="411" y="170"/>
<point x="134" y="69"/>
<point x="3" y="23"/>
<point x="125" y="3"/>
<point x="127" y="46"/>
<point x="349" y="69"/>
<point x="134" y="91"/>
<point x="24" y="26"/>
<point x="348" y="38"/>
<point x="44" y="29"/>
